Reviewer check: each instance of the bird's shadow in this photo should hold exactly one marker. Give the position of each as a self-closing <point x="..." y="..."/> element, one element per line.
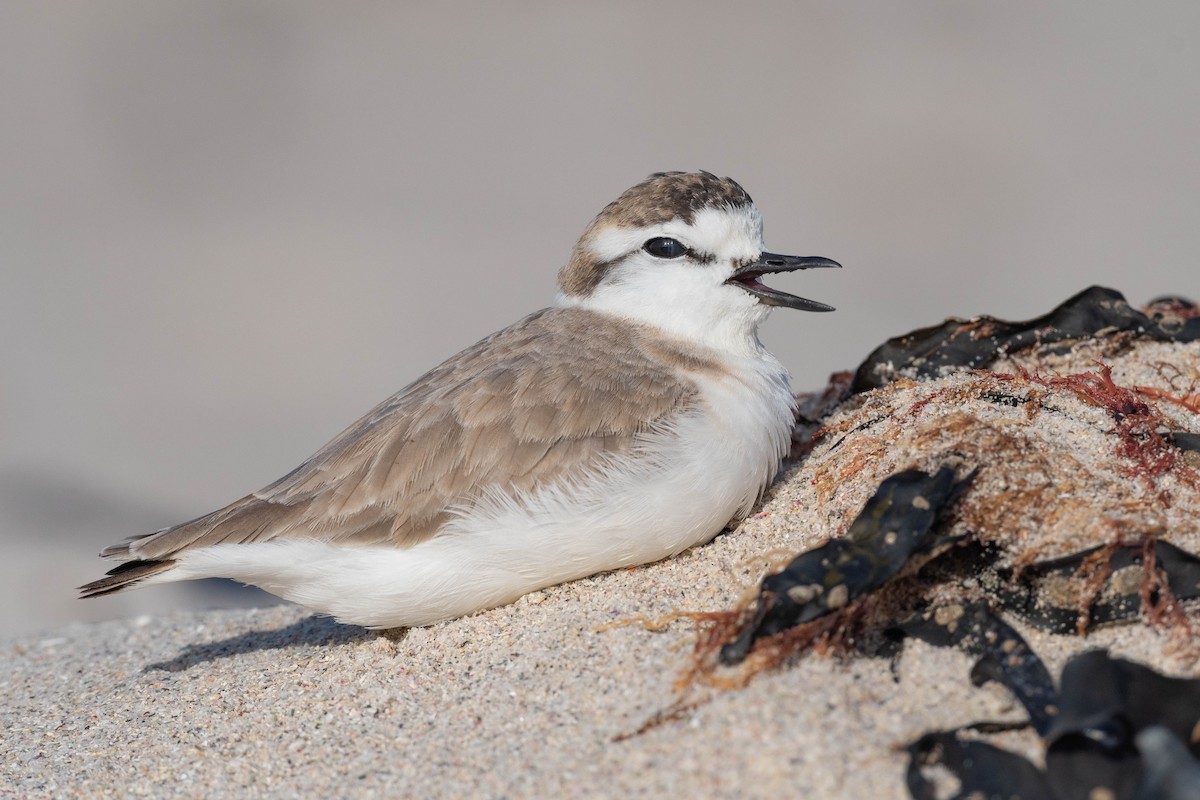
<point x="314" y="631"/>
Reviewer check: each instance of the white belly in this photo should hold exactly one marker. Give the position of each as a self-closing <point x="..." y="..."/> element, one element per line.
<point x="682" y="489"/>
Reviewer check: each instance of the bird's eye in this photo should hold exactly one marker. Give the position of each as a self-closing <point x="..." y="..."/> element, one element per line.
<point x="663" y="247"/>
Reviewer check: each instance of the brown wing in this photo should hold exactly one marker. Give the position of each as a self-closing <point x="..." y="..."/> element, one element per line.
<point x="535" y="401"/>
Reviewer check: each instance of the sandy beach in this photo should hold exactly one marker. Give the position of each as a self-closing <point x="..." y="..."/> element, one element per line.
<point x="535" y="699"/>
<point x="521" y="701"/>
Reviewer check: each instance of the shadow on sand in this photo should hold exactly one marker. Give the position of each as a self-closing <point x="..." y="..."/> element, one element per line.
<point x="311" y="631"/>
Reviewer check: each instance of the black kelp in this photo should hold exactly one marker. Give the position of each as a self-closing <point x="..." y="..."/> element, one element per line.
<point x="1003" y="655"/>
<point x="1118" y="730"/>
<point x="1102" y="584"/>
<point x="893" y="526"/>
<point x="974" y="343"/>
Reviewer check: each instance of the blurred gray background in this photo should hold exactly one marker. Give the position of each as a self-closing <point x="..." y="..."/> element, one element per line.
<point x="227" y="229"/>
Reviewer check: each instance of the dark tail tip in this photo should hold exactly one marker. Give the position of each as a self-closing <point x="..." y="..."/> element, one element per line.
<point x="123" y="576"/>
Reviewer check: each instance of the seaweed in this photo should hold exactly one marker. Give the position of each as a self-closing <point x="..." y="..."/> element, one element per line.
<point x="1041" y="593"/>
<point x="1003" y="655"/>
<point x="893" y="526"/>
<point x="972" y="344"/>
<point x="822" y="592"/>
<point x="1137" y="424"/>
<point x="1112" y="728"/>
<point x="1189" y="442"/>
<point x="982" y="770"/>
<point x="1117" y="729"/>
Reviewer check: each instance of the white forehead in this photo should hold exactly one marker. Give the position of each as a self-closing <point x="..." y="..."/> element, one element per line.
<point x="724" y="232"/>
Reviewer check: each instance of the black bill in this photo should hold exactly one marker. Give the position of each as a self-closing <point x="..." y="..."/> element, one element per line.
<point x="748" y="276"/>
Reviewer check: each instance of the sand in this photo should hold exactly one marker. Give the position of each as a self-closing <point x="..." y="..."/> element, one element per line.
<point x="535" y="699"/>
<point x="523" y="701"/>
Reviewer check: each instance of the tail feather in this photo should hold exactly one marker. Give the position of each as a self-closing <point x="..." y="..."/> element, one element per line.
<point x="123" y="551"/>
<point x="123" y="576"/>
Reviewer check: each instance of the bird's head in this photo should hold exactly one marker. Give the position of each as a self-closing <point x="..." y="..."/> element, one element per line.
<point x="683" y="252"/>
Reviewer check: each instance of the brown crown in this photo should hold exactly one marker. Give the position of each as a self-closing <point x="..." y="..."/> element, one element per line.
<point x="660" y="198"/>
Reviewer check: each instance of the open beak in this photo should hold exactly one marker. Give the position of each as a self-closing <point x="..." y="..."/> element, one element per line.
<point x="748" y="276"/>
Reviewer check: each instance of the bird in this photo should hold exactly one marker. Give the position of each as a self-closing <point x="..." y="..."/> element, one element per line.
<point x="636" y="417"/>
